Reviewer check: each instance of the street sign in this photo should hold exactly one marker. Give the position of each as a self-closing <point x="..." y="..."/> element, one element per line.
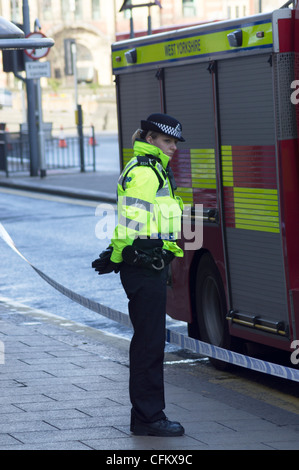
<point x="69" y="56"/>
<point x="36" y="54"/>
<point x="37" y="70"/>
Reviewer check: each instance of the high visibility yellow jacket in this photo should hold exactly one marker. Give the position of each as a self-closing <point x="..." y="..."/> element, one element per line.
<point x="147" y="206"/>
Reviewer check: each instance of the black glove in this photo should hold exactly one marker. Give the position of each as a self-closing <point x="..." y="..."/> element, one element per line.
<point x="103" y="265"/>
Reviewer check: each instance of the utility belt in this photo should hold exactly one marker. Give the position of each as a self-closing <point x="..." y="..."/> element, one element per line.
<point x="150" y="257"/>
<point x="154" y="258"/>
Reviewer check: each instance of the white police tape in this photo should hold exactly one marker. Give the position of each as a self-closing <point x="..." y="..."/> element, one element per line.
<point x="171" y="336"/>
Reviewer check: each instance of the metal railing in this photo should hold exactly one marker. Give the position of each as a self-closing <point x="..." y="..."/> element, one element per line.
<point x="63" y="149"/>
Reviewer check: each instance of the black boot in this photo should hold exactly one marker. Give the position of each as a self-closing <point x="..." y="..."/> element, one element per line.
<point x="162" y="427"/>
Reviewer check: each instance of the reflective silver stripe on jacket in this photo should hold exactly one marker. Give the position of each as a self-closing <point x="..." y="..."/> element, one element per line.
<point x="138" y="203"/>
<point x="130" y="223"/>
<point x="165" y="191"/>
<point x="125" y="170"/>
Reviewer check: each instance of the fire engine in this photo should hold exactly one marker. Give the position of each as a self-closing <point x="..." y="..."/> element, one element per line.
<point x="234" y="87"/>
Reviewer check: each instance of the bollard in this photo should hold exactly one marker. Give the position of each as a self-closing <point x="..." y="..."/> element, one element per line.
<point x="62" y="142"/>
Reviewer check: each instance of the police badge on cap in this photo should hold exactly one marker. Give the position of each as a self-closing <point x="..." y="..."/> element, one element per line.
<point x="165" y="124"/>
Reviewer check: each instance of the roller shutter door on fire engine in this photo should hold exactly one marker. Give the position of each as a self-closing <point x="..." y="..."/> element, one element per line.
<point x="250" y="187"/>
<point x="189" y="96"/>
<point x="139" y="96"/>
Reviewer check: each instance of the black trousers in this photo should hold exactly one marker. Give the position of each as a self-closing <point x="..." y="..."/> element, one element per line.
<point x="146" y="291"/>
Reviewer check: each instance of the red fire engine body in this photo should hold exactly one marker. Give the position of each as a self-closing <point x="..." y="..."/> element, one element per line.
<point x="233" y="85"/>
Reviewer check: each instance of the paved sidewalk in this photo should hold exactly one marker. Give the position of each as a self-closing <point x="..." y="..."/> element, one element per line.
<point x="94" y="186"/>
<point x="64" y="386"/>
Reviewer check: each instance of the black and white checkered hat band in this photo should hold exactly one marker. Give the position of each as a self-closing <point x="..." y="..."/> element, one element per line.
<point x="169" y="130"/>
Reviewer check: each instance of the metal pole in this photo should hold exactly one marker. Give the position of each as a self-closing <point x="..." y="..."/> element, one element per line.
<point x="260" y="6"/>
<point x="93" y="148"/>
<point x="81" y="137"/>
<point x="31" y="104"/>
<point x="79" y="112"/>
<point x="3" y="149"/>
<point x="131" y="25"/>
<point x="41" y="133"/>
<point x="74" y="54"/>
<point x="149" y="22"/>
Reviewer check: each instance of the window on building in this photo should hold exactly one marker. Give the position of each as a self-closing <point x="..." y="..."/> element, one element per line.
<point x="71" y="9"/>
<point x="189" y="8"/>
<point x="47" y="9"/>
<point x="78" y="9"/>
<point x="66" y="9"/>
<point x="96" y="9"/>
<point x="15" y="11"/>
<point x="236" y="11"/>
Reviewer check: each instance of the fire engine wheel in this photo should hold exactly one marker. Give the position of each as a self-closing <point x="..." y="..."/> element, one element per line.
<point x="211" y="307"/>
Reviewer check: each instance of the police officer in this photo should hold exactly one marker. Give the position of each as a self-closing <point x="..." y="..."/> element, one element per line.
<point x="144" y="243"/>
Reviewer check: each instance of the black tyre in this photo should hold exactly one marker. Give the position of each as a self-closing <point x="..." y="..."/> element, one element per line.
<point x="211" y="307"/>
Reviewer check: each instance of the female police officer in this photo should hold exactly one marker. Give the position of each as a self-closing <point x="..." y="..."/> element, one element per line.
<point x="144" y="242"/>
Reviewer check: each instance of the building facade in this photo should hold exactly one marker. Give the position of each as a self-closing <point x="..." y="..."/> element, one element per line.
<point x="95" y="24"/>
